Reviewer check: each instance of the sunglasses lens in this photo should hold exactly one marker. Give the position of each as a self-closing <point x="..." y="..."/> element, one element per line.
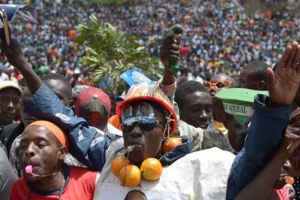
<point x="206" y="84"/>
<point x="147" y="123"/>
<point x="222" y="84"/>
<point x="128" y="124"/>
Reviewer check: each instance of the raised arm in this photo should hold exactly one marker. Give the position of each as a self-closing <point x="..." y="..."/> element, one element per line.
<point x="269" y="121"/>
<point x="264" y="181"/>
<point x="86" y="144"/>
<point x="16" y="58"/>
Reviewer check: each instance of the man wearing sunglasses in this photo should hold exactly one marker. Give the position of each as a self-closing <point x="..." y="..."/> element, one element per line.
<point x="84" y="140"/>
<point x="145" y="130"/>
<point x="217" y="83"/>
<point x="143" y="137"/>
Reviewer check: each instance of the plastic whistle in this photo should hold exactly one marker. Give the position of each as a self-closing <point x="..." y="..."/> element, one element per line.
<point x="28" y="169"/>
<point x="289" y="180"/>
<point x="172" y="34"/>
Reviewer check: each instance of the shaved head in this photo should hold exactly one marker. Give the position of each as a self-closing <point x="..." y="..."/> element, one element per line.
<point x="221" y="77"/>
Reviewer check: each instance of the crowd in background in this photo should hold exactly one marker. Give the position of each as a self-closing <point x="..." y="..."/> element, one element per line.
<point x="218" y="35"/>
<point x="218" y="42"/>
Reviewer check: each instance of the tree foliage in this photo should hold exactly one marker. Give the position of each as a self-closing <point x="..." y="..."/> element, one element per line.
<point x="112" y="52"/>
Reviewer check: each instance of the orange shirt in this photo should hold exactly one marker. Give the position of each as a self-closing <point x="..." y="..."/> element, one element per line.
<point x="72" y="34"/>
<point x="114" y="120"/>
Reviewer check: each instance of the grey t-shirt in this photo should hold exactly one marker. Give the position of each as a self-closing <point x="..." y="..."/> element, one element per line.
<point x="7" y="176"/>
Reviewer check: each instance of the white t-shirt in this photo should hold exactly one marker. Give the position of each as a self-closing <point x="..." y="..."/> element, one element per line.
<point x="200" y="175"/>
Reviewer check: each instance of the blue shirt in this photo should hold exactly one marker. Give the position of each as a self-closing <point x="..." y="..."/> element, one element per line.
<point x="85" y="143"/>
<point x="264" y="136"/>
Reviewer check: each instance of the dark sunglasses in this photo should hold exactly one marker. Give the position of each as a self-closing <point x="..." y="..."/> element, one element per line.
<point x="144" y="122"/>
<point x="218" y="85"/>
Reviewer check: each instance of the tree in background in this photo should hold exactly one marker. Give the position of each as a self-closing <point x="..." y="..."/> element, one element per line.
<point x="110" y="52"/>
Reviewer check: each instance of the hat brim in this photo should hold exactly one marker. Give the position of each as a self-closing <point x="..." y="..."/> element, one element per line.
<point x="12" y="86"/>
<point x="239" y="96"/>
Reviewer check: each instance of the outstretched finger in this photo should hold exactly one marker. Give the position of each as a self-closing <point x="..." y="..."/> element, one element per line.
<point x="298" y="63"/>
<point x="292" y="55"/>
<point x="296" y="59"/>
<point x="284" y="58"/>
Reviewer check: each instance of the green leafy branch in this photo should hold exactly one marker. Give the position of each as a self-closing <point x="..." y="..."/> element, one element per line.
<point x="112" y="52"/>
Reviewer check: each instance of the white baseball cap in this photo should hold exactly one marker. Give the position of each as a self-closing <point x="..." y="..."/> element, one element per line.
<point x="9" y="84"/>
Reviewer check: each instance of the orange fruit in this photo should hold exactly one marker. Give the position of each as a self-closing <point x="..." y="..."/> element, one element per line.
<point x="173" y="142"/>
<point x="117" y="164"/>
<point x="151" y="169"/>
<point x="130" y="176"/>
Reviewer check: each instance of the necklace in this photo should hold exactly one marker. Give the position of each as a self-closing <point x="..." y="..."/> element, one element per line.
<point x="60" y="189"/>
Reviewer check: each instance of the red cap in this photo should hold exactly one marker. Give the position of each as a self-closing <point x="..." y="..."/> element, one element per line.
<point x="90" y="94"/>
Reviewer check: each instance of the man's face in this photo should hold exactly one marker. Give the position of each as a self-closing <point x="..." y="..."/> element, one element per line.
<point x="145" y="110"/>
<point x="39" y="148"/>
<point x="247" y="80"/>
<point x="197" y="109"/>
<point x="219" y="82"/>
<point x="9" y="100"/>
<point x="148" y="141"/>
<point x="58" y="88"/>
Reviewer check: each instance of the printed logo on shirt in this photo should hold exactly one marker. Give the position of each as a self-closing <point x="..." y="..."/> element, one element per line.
<point x="63" y="116"/>
<point x="96" y="141"/>
<point x="80" y="136"/>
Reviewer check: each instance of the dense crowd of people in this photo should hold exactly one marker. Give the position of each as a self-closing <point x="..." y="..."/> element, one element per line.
<point x="218" y="36"/>
<point x="226" y="126"/>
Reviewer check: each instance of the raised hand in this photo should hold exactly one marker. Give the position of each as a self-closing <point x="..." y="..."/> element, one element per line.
<point x="13" y="53"/>
<point x="284" y="83"/>
<point x="170" y="50"/>
<point x="16" y="58"/>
